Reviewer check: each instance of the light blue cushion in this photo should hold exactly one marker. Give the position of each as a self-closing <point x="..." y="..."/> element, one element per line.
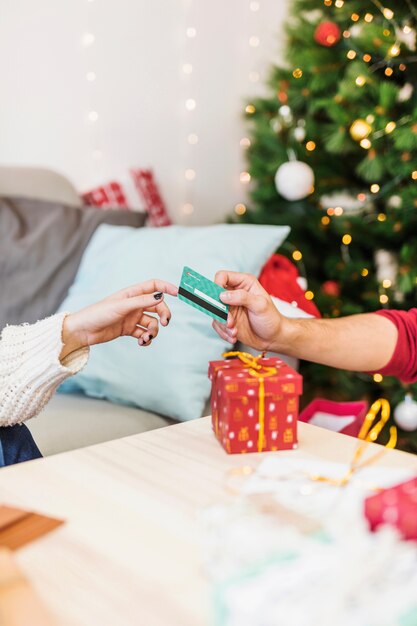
<point x="170" y="376"/>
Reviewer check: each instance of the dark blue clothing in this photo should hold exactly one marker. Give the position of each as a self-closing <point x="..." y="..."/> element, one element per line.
<point x="17" y="445"/>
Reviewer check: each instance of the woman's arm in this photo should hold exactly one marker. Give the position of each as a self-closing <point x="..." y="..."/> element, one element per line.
<point x="31" y="369"/>
<point x="35" y="359"/>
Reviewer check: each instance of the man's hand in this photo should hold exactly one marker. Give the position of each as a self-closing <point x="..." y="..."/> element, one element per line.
<point x="125" y="313"/>
<point x="253" y="318"/>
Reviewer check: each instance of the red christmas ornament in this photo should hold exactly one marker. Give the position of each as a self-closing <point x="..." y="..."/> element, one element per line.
<point x="331" y="288"/>
<point x="327" y="34"/>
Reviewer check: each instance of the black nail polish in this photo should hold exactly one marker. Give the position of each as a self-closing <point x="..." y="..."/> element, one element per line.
<point x="158" y="295"/>
<point x="150" y="337"/>
<point x="168" y="320"/>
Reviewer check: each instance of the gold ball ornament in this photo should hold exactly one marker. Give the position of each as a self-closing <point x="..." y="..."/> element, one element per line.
<point x="360" y="129"/>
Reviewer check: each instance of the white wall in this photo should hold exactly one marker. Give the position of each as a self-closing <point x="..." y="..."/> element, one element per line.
<point x="139" y="93"/>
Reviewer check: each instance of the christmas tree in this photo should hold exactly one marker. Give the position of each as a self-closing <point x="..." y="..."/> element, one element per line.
<point x="332" y="151"/>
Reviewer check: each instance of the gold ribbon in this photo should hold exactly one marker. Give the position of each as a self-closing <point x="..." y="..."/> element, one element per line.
<point x="368" y="433"/>
<point x="252" y="362"/>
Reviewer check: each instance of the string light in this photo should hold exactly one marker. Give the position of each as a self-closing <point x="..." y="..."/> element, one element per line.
<point x="339" y="3"/>
<point x="338" y="211"/>
<point x="310" y="146"/>
<point x="309" y="295"/>
<point x="188" y="209"/>
<point x="381" y="217"/>
<point x="402" y="67"/>
<point x="325" y="220"/>
<point x="389" y="71"/>
<point x="245" y="142"/>
<point x="388" y="13"/>
<point x="240" y="209"/>
<point x="245" y="177"/>
<point x="414" y="175"/>
<point x="91" y="77"/>
<point x="395" y="50"/>
<point x="328" y="3"/>
<point x="347" y="239"/>
<point x="386" y="32"/>
<point x="93" y="116"/>
<point x="368" y="17"/>
<point x="378" y="378"/>
<point x="365" y="143"/>
<point x="360" y="80"/>
<point x="191" y="32"/>
<point x="346" y="34"/>
<point x="364" y="272"/>
<point x="390" y="127"/>
<point x="192" y="139"/>
<point x="296" y="255"/>
<point x="386" y="283"/>
<point x="190" y="104"/>
<point x="250" y="109"/>
<point x="354" y="17"/>
<point x="187" y="68"/>
<point x="383" y="298"/>
<point x="254" y="6"/>
<point x="190" y="174"/>
<point x="297" y="73"/>
<point x="361" y="197"/>
<point x="88" y="39"/>
<point x="254" y="77"/>
<point x="254" y="41"/>
<point x="351" y="54"/>
<point x="375" y="188"/>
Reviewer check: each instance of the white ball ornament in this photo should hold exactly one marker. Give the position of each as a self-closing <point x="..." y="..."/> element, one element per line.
<point x="405" y="414"/>
<point x="299" y="133"/>
<point x="294" y="180"/>
<point x="395" y="202"/>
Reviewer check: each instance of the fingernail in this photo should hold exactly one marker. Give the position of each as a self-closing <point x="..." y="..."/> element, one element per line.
<point x="150" y="337"/>
<point x="140" y="342"/>
<point x="225" y="295"/>
<point x="158" y="295"/>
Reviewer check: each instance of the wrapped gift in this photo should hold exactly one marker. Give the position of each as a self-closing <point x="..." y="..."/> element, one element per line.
<point x="341" y="417"/>
<point x="254" y="403"/>
<point x="396" y="506"/>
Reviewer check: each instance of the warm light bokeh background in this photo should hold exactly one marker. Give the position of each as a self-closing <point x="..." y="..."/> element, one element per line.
<point x="139" y="92"/>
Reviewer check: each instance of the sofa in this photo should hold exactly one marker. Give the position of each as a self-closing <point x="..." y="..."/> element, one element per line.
<point x="72" y="421"/>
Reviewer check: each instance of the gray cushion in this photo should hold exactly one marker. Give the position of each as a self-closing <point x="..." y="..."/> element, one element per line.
<point x="41" y="247"/>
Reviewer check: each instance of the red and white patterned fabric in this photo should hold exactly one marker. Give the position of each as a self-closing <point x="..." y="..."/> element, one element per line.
<point x="148" y="190"/>
<point x="136" y="192"/>
<point x="107" y="196"/>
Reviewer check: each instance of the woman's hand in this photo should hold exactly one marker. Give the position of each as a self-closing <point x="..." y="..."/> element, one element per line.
<point x="125" y="313"/>
<point x="253" y="318"/>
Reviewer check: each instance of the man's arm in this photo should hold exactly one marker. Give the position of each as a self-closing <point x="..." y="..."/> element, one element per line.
<point x="359" y="342"/>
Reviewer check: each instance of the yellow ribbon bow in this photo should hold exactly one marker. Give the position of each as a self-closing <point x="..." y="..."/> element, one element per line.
<point x="367" y="433"/>
<point x="255" y="370"/>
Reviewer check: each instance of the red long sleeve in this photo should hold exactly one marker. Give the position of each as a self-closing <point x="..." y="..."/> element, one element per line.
<point x="403" y="363"/>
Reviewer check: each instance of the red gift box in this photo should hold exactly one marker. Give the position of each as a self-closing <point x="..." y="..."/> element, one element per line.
<point x="342" y="410"/>
<point x="396" y="506"/>
<point x="254" y="404"/>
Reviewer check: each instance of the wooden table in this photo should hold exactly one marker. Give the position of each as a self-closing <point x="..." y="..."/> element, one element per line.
<point x="130" y="552"/>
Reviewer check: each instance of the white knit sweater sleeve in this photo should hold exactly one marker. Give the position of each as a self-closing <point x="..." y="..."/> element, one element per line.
<point x="30" y="368"/>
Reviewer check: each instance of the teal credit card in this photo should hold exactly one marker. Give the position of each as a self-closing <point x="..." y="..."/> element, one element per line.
<point x="202" y="294"/>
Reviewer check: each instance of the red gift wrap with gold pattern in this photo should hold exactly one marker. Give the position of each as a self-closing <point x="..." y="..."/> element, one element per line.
<point x="396" y="506"/>
<point x="254" y="403"/>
